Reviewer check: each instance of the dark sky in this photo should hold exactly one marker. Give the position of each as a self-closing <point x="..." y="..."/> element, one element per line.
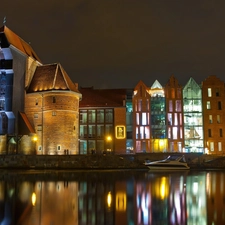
<point x="116" y="43"/>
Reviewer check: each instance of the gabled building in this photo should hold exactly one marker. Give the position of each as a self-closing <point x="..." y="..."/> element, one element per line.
<point x="158" y="135"/>
<point x="141" y="118"/>
<point x="193" y="117"/>
<point x="174" y="115"/>
<point x="213" y="101"/>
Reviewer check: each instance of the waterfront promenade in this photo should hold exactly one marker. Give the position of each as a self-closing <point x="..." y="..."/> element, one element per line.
<point x="104" y="161"/>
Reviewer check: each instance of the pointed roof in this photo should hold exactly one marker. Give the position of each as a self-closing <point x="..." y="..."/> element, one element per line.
<point x="49" y="78"/>
<point x="173" y="82"/>
<point x="156" y="84"/>
<point x="194" y="87"/>
<point x="13" y="39"/>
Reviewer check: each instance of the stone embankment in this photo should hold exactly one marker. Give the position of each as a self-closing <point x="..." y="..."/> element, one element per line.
<point x="101" y="162"/>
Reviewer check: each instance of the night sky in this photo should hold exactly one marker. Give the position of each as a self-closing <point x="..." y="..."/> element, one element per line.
<point x="116" y="43"/>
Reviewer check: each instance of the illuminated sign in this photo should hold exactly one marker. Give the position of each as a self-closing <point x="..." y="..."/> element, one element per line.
<point x="120" y="132"/>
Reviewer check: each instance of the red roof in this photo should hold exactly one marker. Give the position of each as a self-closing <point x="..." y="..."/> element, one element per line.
<point x="51" y="77"/>
<point x="102" y="97"/>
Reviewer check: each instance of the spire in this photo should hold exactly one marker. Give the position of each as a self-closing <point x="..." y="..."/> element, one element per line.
<point x="4" y="21"/>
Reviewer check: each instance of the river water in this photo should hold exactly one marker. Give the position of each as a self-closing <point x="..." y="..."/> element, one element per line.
<point x="112" y="198"/>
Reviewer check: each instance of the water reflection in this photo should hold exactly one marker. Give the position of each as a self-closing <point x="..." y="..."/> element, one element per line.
<point x="112" y="198"/>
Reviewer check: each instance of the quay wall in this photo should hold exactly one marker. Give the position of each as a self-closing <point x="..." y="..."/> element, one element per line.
<point x="104" y="161"/>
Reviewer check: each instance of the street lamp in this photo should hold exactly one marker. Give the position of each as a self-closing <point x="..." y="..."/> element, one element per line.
<point x="109" y="142"/>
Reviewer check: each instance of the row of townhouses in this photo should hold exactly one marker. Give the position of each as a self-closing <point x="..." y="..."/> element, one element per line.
<point x="42" y="111"/>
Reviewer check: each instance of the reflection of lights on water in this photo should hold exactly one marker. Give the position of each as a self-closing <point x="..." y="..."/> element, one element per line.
<point x="33" y="199"/>
<point x="121" y="201"/>
<point x="109" y="199"/>
<point x="163" y="188"/>
<point x="195" y="187"/>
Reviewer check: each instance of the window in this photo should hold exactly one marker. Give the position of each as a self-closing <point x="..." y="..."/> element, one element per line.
<point x="91" y="116"/>
<point x="53" y="100"/>
<point x="139" y="104"/>
<point x="219" y="105"/>
<point x="170" y="106"/>
<point x="100" y="116"/>
<point x="210" y="119"/>
<point x="137" y="118"/>
<point x="170" y="120"/>
<point x="39" y="148"/>
<point x="217" y="92"/>
<point x="35" y="115"/>
<point x="208" y="105"/>
<point x="219" y="146"/>
<point x="178" y="105"/>
<point x="36" y="102"/>
<point x="144" y="119"/>
<point x="58" y="147"/>
<point x="39" y="128"/>
<point x="218" y="118"/>
<point x="53" y="113"/>
<point x="221" y="132"/>
<point x="209" y="133"/>
<point x="174" y="133"/>
<point x="211" y="146"/>
<point x="209" y="92"/>
<point x="175" y="119"/>
<point x="108" y="115"/>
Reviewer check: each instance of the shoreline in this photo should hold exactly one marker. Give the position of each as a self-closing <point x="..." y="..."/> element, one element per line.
<point x="196" y="161"/>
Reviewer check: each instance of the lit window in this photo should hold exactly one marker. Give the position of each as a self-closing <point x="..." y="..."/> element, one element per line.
<point x="208" y="105"/>
<point x="209" y="92"/>
<point x="174" y="133"/>
<point x="178" y="106"/>
<point x="144" y="119"/>
<point x="137" y="118"/>
<point x="170" y="106"/>
<point x="175" y="119"/>
<point x="170" y="121"/>
<point x="212" y="146"/>
<point x="219" y="146"/>
<point x="218" y="118"/>
<point x="210" y="119"/>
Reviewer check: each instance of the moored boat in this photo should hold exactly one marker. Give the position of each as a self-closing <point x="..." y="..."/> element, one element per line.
<point x="172" y="162"/>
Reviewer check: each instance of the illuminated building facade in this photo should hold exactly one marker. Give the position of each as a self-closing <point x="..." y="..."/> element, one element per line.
<point x="193" y="117"/>
<point x="213" y="101"/>
<point x="52" y="107"/>
<point x="141" y="118"/>
<point x="174" y="115"/>
<point x="102" y="118"/>
<point x="39" y="104"/>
